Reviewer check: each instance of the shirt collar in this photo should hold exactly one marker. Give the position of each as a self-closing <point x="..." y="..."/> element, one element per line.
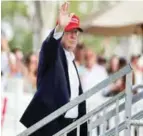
<point x="69" y="55"/>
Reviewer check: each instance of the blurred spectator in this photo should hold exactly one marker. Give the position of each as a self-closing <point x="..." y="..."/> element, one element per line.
<point x="4" y="62"/>
<point x="13" y="72"/>
<point x="94" y="74"/>
<point x="119" y="85"/>
<point x="122" y="62"/>
<point x="121" y="82"/>
<point x="139" y="71"/>
<point x="18" y="53"/>
<point x="140" y="64"/>
<point x="19" y="60"/>
<point x="101" y="61"/>
<point x="4" y="56"/>
<point x="134" y="60"/>
<point x="31" y="76"/>
<point x="79" y="58"/>
<point x="113" y="65"/>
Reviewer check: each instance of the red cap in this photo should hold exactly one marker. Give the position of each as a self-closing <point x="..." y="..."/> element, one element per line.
<point x="74" y="24"/>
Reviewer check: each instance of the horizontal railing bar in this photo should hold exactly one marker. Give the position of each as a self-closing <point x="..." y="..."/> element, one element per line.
<point x="137" y="122"/>
<point x="112" y="113"/>
<point x="138" y="86"/>
<point x="93" y="112"/>
<point x="77" y="101"/>
<point x="122" y="125"/>
<point x="108" y="115"/>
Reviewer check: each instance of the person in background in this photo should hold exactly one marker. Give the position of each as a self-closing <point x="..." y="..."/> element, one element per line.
<point x="136" y="74"/>
<point x="79" y="58"/>
<point x="121" y="82"/>
<point x="134" y="60"/>
<point x="13" y="71"/>
<point x="19" y="61"/>
<point x="139" y="72"/>
<point x="4" y="62"/>
<point x="138" y="81"/>
<point x="113" y="65"/>
<point x="112" y="68"/>
<point x="31" y="74"/>
<point x="119" y="85"/>
<point x="18" y="53"/>
<point x="102" y="61"/>
<point x="94" y="74"/>
<point x="4" y="56"/>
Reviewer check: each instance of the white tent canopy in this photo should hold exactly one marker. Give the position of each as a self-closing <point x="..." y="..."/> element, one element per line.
<point x="119" y="20"/>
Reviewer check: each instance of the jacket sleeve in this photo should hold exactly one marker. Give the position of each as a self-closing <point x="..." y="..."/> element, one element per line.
<point x="48" y="53"/>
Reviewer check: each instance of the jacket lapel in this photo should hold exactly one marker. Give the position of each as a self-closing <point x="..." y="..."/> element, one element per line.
<point x="80" y="88"/>
<point x="64" y="61"/>
<point x="65" y="65"/>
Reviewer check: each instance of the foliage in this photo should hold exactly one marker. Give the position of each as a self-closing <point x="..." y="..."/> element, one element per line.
<point x="83" y="12"/>
<point x="11" y="8"/>
<point x="90" y="41"/>
<point x="22" y="38"/>
<point x="93" y="42"/>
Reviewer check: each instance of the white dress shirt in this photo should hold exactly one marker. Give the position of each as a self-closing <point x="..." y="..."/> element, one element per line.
<point x="73" y="78"/>
<point x="91" y="78"/>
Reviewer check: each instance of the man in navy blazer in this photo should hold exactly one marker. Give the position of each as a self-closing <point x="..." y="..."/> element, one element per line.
<point x="58" y="80"/>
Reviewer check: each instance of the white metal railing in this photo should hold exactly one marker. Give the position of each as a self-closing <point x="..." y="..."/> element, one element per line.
<point x="122" y="125"/>
<point x="126" y="71"/>
<point x="137" y="122"/>
<point x="114" y="112"/>
<point x="107" y="116"/>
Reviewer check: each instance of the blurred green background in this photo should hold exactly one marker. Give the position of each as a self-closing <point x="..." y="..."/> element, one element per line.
<point x="19" y="15"/>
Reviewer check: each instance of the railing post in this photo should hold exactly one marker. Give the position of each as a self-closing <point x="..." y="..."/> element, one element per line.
<point x="117" y="118"/>
<point x="128" y="103"/>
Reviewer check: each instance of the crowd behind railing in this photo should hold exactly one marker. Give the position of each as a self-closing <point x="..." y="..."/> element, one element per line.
<point x="92" y="69"/>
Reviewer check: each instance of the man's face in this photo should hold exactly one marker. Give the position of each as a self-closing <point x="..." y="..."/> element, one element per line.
<point x="70" y="39"/>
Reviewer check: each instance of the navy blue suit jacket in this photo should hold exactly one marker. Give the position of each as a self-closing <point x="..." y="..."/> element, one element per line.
<point x="53" y="88"/>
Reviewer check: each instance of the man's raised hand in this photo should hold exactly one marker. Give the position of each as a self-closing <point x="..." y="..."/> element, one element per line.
<point x="64" y="16"/>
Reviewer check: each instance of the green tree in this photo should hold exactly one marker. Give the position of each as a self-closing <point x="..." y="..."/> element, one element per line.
<point x="93" y="42"/>
<point x="91" y="7"/>
<point x="9" y="9"/>
<point x="22" y="37"/>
